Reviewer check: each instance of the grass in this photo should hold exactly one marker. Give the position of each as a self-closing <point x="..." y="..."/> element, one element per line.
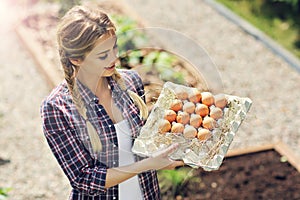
<point x="284" y="28"/>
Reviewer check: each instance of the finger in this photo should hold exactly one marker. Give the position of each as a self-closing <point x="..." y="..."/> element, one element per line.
<point x="171" y="149"/>
<point x="175" y="164"/>
<point x="178" y="163"/>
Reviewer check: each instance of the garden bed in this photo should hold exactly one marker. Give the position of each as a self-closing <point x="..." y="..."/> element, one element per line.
<point x="263" y="174"/>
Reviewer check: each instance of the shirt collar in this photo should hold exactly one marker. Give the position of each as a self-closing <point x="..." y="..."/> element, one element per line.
<point x="87" y="95"/>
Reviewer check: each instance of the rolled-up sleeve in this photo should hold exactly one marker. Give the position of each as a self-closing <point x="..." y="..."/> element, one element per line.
<point x="84" y="173"/>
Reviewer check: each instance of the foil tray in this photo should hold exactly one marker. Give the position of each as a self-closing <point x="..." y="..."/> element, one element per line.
<point x="208" y="154"/>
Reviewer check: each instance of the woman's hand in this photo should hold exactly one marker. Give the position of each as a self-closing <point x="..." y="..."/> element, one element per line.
<point x="161" y="160"/>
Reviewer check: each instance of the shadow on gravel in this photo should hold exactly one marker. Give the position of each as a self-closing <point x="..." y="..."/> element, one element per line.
<point x="3" y="161"/>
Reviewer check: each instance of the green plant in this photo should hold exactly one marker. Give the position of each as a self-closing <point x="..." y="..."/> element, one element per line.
<point x="129" y="36"/>
<point x="279" y="19"/>
<point x="4" y="193"/>
<point x="173" y="182"/>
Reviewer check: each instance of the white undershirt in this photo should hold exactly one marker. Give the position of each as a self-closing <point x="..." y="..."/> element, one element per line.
<point x="129" y="189"/>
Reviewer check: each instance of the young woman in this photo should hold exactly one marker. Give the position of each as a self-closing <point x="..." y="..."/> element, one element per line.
<point x="91" y="119"/>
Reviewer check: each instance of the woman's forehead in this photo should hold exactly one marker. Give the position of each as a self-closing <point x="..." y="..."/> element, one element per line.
<point x="104" y="43"/>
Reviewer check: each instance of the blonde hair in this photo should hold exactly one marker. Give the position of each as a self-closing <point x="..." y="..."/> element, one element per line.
<point x="77" y="34"/>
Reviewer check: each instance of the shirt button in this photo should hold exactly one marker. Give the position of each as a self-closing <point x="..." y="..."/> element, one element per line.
<point x="114" y="162"/>
<point x="114" y="197"/>
<point x="115" y="145"/>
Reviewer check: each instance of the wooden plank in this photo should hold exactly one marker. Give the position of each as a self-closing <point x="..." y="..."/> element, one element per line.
<point x="279" y="147"/>
<point x="50" y="72"/>
<point x="248" y="150"/>
<point x="284" y="150"/>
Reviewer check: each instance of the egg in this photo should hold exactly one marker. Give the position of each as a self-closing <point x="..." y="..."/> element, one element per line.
<point x="220" y="100"/>
<point x="195" y="120"/>
<point x="188" y="107"/>
<point x="164" y="126"/>
<point x="203" y="134"/>
<point x="207" y="98"/>
<point x="176" y="105"/>
<point x="194" y="95"/>
<point x="181" y="93"/>
<point x="183" y="118"/>
<point x="209" y="123"/>
<point x="170" y="115"/>
<point x="177" y="128"/>
<point x="215" y="112"/>
<point x="189" y="132"/>
<point x="201" y="109"/>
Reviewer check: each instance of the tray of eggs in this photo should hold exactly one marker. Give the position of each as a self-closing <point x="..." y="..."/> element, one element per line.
<point x="202" y="123"/>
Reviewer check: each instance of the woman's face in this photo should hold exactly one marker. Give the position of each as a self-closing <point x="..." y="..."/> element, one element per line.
<point x="101" y="60"/>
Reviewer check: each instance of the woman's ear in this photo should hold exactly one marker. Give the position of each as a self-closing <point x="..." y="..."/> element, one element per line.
<point x="75" y="61"/>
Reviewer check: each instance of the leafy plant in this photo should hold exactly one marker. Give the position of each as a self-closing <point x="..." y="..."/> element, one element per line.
<point x="279" y="19"/>
<point x="164" y="63"/>
<point x="4" y="193"/>
<point x="129" y="36"/>
<point x="173" y="182"/>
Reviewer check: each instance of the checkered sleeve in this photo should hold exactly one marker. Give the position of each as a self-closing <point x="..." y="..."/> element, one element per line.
<point x="84" y="174"/>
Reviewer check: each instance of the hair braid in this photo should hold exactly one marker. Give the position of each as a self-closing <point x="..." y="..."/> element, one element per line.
<point x="70" y="71"/>
<point x="138" y="101"/>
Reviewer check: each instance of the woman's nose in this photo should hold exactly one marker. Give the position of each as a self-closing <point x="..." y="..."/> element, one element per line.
<point x="113" y="56"/>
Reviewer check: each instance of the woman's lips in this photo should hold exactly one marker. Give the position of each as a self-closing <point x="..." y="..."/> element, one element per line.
<point x="111" y="67"/>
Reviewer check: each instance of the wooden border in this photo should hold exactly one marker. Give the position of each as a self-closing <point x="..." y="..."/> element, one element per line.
<point x="46" y="68"/>
<point x="279" y="147"/>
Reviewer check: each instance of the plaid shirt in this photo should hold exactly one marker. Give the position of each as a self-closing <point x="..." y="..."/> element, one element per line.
<point x="66" y="134"/>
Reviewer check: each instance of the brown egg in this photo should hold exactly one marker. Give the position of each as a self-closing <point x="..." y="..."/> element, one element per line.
<point x="177" y="128"/>
<point x="170" y="115"/>
<point x="183" y="118"/>
<point x="207" y="98"/>
<point x="209" y="123"/>
<point x="215" y="112"/>
<point x="164" y="126"/>
<point x="195" y="120"/>
<point x="201" y="109"/>
<point x="220" y="100"/>
<point x="203" y="134"/>
<point x="176" y="105"/>
<point x="181" y="93"/>
<point x="188" y="107"/>
<point x="194" y="95"/>
<point x="189" y="132"/>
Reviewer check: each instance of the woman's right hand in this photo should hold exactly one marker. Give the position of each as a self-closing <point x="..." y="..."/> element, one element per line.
<point x="161" y="160"/>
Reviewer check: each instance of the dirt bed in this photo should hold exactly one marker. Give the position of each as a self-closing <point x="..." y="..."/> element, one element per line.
<point x="263" y="175"/>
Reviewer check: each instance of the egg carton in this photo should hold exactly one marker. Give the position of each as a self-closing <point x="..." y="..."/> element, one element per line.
<point x="207" y="154"/>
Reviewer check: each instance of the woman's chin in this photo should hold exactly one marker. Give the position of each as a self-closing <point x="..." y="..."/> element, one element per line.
<point x="108" y="73"/>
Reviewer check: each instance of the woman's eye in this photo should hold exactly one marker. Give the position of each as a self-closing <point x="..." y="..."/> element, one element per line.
<point x="103" y="57"/>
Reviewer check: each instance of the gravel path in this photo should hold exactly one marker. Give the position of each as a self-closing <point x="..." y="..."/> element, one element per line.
<point x="246" y="68"/>
<point x="32" y="172"/>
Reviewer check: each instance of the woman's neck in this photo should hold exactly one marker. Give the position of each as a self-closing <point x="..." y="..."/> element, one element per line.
<point x="102" y="88"/>
<point x="99" y="86"/>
